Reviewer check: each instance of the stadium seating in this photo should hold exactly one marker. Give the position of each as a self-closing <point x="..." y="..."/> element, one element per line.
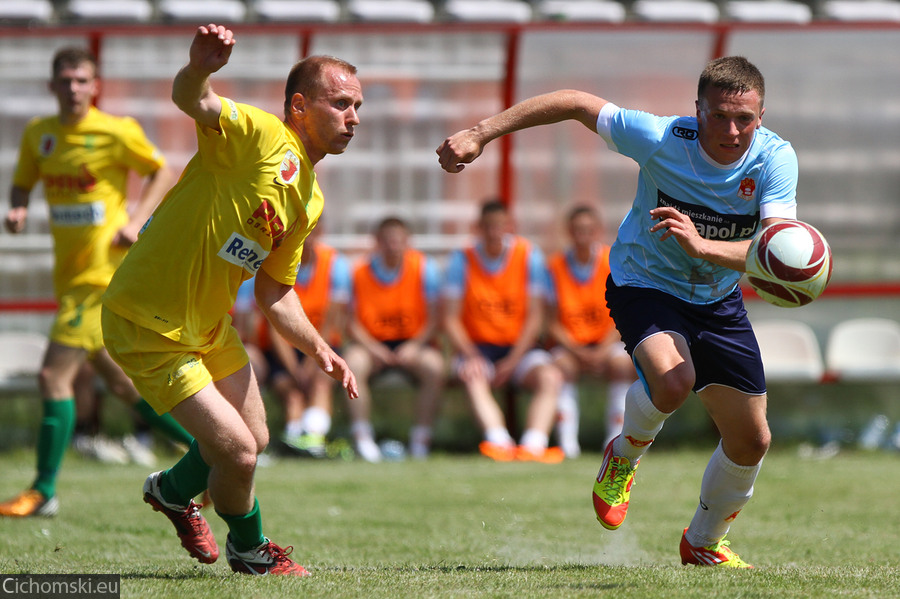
<point x="25" y="12"/>
<point x="768" y="11"/>
<point x="607" y="11"/>
<point x="44" y="12"/>
<point x="864" y="349"/>
<point x="104" y="11"/>
<point x="307" y="11"/>
<point x="393" y="11"/>
<point x="21" y="355"/>
<point x="790" y="351"/>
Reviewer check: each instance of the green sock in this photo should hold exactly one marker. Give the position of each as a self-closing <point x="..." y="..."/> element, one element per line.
<point x="186" y="479"/>
<point x="165" y="423"/>
<point x="53" y="439"/>
<point x="245" y="531"/>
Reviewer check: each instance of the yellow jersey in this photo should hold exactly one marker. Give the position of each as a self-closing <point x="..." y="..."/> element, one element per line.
<point x="84" y="170"/>
<point x="246" y="201"/>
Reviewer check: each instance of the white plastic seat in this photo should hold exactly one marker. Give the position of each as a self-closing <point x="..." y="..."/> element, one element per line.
<point x="26" y="11"/>
<point x="117" y="11"/>
<point x="224" y="12"/>
<point x="391" y="11"/>
<point x="861" y="10"/>
<point x="308" y="11"/>
<point x="864" y="349"/>
<point x="488" y="11"/>
<point x="768" y="11"/>
<point x="790" y="351"/>
<point x="676" y="11"/>
<point x="604" y="11"/>
<point x="21" y="355"/>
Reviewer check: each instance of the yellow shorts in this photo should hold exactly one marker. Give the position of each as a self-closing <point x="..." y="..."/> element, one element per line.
<point x="77" y="322"/>
<point x="167" y="372"/>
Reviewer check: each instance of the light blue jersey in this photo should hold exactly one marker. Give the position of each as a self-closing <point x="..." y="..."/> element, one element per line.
<point x="725" y="202"/>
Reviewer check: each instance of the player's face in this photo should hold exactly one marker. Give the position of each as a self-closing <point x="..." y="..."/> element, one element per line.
<point x="727" y="122"/>
<point x="75" y="88"/>
<point x="584" y="230"/>
<point x="494" y="227"/>
<point x="330" y="118"/>
<point x="393" y="242"/>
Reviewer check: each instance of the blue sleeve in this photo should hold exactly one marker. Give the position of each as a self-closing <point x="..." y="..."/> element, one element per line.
<point x="455" y="276"/>
<point x="246" y="296"/>
<point x="340" y="280"/>
<point x="538" y="277"/>
<point x="432" y="281"/>
<point x="779" y="195"/>
<point x="637" y="134"/>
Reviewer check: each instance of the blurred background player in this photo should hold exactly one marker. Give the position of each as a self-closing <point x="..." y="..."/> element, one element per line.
<point x="587" y="342"/>
<point x="495" y="300"/>
<point x="392" y="324"/>
<point x="83" y="158"/>
<point x="323" y="286"/>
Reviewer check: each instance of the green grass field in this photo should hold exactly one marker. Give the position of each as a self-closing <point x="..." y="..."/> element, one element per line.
<point x="461" y="526"/>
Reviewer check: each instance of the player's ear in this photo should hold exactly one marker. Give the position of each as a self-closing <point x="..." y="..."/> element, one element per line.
<point x="298" y="104"/>
<point x="761" y="113"/>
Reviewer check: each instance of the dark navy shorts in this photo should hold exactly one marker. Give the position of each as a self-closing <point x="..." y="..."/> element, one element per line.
<point x="721" y="341"/>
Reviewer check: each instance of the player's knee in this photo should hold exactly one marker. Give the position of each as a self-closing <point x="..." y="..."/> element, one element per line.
<point x="672" y="389"/>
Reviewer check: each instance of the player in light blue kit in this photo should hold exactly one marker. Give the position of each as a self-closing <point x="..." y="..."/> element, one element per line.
<point x="706" y="184"/>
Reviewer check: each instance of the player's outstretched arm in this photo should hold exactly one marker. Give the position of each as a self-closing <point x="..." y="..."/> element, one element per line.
<point x="465" y="146"/>
<point x="191" y="90"/>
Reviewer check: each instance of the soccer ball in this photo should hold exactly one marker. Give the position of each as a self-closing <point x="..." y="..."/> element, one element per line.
<point x="789" y="263"/>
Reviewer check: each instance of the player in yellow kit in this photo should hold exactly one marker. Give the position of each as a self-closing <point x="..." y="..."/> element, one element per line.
<point x="243" y="207"/>
<point x="83" y="158"/>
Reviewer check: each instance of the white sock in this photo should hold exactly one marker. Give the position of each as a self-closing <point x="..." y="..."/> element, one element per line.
<point x="419" y="441"/>
<point x="498" y="436"/>
<point x="362" y="429"/>
<point x="535" y="440"/>
<point x="725" y="490"/>
<point x="642" y="423"/>
<point x="293" y="428"/>
<point x="316" y="421"/>
<point x="615" y="409"/>
<point x="568" y="414"/>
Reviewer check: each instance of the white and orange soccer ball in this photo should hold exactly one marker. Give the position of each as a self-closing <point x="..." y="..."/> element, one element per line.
<point x="789" y="263"/>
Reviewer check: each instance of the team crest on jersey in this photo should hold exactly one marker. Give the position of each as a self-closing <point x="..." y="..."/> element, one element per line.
<point x="289" y="169"/>
<point x="747" y="189"/>
<point x="48" y="144"/>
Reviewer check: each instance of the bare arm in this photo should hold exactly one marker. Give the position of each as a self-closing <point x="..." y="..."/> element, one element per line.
<point x="730" y="254"/>
<point x="466" y="145"/>
<point x="191" y="90"/>
<point x="18" y="211"/>
<point x="282" y="308"/>
<point x="155" y="187"/>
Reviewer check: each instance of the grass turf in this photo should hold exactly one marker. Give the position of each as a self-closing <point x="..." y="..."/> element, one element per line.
<point x="462" y="526"/>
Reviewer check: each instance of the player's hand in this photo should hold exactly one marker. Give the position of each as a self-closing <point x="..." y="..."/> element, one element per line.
<point x="15" y="219"/>
<point x="680" y="226"/>
<point x="126" y="236"/>
<point x="211" y="47"/>
<point x="458" y="150"/>
<point x="474" y="368"/>
<point x="503" y="371"/>
<point x="335" y="367"/>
